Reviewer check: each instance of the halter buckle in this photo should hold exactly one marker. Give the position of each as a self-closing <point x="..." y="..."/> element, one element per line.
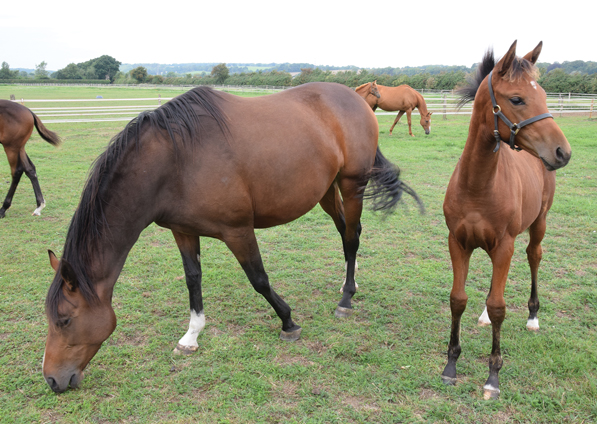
<point x="499" y="109"/>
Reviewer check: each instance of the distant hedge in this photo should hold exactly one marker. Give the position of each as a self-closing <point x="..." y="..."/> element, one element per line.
<point x="51" y="81"/>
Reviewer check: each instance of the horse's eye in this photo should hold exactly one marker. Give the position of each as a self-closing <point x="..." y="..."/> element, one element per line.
<point x="63" y="322"/>
<point x="516" y="101"/>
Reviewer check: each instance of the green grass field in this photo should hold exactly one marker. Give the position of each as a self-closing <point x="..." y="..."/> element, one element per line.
<point x="382" y="365"/>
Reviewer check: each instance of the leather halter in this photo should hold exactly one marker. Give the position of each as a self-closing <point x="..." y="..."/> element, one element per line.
<point x="514" y="128"/>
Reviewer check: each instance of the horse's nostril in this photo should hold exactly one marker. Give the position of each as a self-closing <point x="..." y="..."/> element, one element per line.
<point x="52" y="383"/>
<point x="559" y="154"/>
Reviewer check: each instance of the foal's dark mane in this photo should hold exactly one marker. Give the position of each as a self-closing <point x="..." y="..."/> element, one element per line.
<point x="180" y="119"/>
<point x="519" y="67"/>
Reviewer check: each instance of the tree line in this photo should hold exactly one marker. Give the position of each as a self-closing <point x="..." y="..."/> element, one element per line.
<point x="576" y="77"/>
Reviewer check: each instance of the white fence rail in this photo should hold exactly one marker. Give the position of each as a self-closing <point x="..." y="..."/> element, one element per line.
<point x="101" y="110"/>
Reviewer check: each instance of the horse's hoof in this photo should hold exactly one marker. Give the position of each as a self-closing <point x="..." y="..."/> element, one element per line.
<point x="37" y="212"/>
<point x="533" y="324"/>
<point x="185" y="350"/>
<point x="490" y="393"/>
<point x="342" y="312"/>
<point x="291" y="336"/>
<point x="448" y="381"/>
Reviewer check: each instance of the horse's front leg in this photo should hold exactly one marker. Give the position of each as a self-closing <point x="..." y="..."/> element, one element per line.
<point x="500" y="256"/>
<point x="190" y="251"/>
<point x="243" y="244"/>
<point x="458" y="299"/>
<point x="408" y="118"/>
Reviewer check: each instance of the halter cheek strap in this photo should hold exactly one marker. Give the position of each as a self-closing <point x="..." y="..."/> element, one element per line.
<point x="514" y="128"/>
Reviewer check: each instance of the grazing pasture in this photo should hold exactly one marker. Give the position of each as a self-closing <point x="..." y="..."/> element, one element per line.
<point x="382" y="364"/>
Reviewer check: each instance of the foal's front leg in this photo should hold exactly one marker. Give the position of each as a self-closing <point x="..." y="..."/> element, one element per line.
<point x="458" y="299"/>
<point x="190" y="251"/>
<point x="501" y="257"/>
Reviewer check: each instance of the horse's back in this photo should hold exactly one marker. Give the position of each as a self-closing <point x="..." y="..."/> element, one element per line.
<point x="402" y="97"/>
<point x="280" y="155"/>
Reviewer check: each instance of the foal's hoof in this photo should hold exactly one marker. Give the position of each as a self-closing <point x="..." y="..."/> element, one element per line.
<point x="448" y="381"/>
<point x="342" y="312"/>
<point x="490" y="392"/>
<point x="291" y="336"/>
<point x="185" y="350"/>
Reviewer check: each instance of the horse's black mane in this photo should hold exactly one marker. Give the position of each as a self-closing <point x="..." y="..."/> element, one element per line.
<point x="468" y="92"/>
<point x="180" y="120"/>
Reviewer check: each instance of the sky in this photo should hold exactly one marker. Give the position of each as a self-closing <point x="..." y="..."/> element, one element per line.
<point x="378" y="34"/>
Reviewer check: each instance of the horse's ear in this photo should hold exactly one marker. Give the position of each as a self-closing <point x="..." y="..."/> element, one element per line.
<point x="69" y="276"/>
<point x="534" y="55"/>
<point x="506" y="62"/>
<point x="430" y="113"/>
<point x="53" y="260"/>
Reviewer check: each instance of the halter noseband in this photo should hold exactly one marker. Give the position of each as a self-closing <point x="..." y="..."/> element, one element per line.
<point x="514" y="128"/>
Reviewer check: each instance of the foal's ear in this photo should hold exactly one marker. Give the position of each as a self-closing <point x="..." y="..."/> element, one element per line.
<point x="534" y="55"/>
<point x="53" y="260"/>
<point x="69" y="276"/>
<point x="506" y="62"/>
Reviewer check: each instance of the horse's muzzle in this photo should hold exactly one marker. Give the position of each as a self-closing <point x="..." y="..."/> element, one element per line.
<point x="61" y="385"/>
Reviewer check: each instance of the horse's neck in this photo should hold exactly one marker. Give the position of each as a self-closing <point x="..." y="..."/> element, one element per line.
<point x="421" y="105"/>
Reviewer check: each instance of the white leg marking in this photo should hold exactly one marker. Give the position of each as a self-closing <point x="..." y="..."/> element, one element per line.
<point x="189" y="340"/>
<point x="533" y="324"/>
<point x="489" y="391"/>
<point x="356" y="267"/>
<point x="37" y="211"/>
<point x="484" y="318"/>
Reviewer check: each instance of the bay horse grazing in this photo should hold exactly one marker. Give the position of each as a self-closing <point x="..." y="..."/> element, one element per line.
<point x="496" y="192"/>
<point x="402" y="98"/>
<point x="16" y="126"/>
<point x="217" y="165"/>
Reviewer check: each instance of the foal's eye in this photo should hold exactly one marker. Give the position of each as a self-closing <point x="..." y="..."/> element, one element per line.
<point x="516" y="101"/>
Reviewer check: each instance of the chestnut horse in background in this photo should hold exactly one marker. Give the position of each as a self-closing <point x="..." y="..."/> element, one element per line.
<point x="402" y="98"/>
<point x="217" y="165"/>
<point x="496" y="192"/>
<point x="16" y="126"/>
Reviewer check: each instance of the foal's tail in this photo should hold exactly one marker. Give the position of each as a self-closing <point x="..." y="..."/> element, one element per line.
<point x="385" y="187"/>
<point x="50" y="136"/>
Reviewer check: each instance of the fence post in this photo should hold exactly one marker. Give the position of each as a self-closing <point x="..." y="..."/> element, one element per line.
<point x="159" y="99"/>
<point x="445" y="117"/>
<point x="561" y="102"/>
<point x="591" y="113"/>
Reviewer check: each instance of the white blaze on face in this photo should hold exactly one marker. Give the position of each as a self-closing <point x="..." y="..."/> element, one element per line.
<point x="534" y="84"/>
<point x="196" y="324"/>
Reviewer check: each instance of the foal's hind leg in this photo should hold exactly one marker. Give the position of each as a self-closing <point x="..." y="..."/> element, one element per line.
<point x="244" y="246"/>
<point x="534" y="254"/>
<point x="191" y="260"/>
<point x="331" y="203"/>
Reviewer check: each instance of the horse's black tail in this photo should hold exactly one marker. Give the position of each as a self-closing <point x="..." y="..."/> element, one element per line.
<point x="385" y="187"/>
<point x="50" y="136"/>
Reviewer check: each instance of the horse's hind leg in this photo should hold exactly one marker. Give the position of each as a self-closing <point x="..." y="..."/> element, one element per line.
<point x="458" y="300"/>
<point x="30" y="171"/>
<point x="352" y="191"/>
<point x="16" y="169"/>
<point x="332" y="204"/>
<point x="191" y="261"/>
<point x="244" y="246"/>
<point x="396" y="120"/>
<point x="534" y="254"/>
